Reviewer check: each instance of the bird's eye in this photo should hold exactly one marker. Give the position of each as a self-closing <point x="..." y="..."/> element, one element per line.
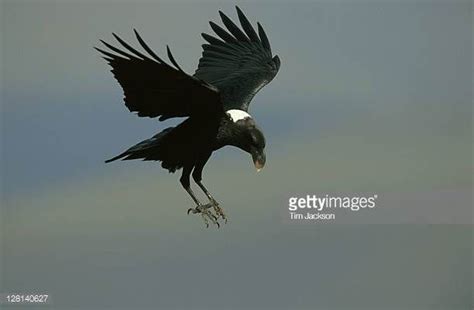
<point x="253" y="138"/>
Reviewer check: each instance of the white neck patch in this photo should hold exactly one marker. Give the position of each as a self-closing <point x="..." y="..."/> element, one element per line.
<point x="237" y="115"/>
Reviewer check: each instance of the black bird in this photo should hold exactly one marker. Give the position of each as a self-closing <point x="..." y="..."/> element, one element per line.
<point x="215" y="100"/>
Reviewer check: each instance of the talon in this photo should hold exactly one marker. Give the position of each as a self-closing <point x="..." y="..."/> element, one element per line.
<point x="205" y="214"/>
<point x="219" y="211"/>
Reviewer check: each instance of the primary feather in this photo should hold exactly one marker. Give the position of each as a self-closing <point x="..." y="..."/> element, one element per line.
<point x="239" y="63"/>
<point x="154" y="88"/>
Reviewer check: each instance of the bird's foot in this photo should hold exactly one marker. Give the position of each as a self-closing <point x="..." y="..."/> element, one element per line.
<point x="219" y="211"/>
<point x="206" y="215"/>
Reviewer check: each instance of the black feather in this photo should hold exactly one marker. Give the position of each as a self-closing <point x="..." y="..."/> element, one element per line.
<point x="247" y="26"/>
<point x="212" y="40"/>
<point x="112" y="56"/>
<point x="118" y="51"/>
<point x="170" y="56"/>
<point x="131" y="49"/>
<point x="263" y="37"/>
<point x="224" y="35"/>
<point x="236" y="32"/>
<point x="148" y="49"/>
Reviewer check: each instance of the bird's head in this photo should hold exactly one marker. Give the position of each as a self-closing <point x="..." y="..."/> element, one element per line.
<point x="247" y="136"/>
<point x="256" y="147"/>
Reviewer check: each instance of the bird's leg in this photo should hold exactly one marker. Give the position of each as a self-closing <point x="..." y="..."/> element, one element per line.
<point x="197" y="176"/>
<point x="200" y="208"/>
<point x="219" y="211"/>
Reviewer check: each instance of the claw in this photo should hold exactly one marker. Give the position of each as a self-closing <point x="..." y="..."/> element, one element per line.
<point x="219" y="211"/>
<point x="205" y="214"/>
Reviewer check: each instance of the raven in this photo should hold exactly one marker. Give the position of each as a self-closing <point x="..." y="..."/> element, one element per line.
<point x="234" y="66"/>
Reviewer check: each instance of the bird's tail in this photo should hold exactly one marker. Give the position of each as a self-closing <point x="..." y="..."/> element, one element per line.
<point x="143" y="149"/>
<point x="117" y="157"/>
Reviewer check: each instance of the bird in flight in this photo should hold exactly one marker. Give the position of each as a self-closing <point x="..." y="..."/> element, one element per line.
<point x="234" y="66"/>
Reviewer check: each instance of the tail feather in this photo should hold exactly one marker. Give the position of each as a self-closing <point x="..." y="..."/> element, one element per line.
<point x="116" y="157"/>
<point x="140" y="150"/>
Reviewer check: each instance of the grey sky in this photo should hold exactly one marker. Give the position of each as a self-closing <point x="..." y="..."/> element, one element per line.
<point x="372" y="97"/>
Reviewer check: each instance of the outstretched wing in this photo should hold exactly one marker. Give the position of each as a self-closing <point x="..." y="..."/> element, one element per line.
<point x="154" y="88"/>
<point x="239" y="64"/>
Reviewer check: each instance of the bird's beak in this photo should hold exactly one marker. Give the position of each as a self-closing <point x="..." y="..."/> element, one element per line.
<point x="259" y="166"/>
<point x="259" y="161"/>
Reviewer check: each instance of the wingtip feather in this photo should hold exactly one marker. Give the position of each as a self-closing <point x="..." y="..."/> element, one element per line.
<point x="247" y="26"/>
<point x="148" y="49"/>
<point x="171" y="58"/>
<point x="224" y="35"/>
<point x="233" y="28"/>
<point x="263" y="37"/>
